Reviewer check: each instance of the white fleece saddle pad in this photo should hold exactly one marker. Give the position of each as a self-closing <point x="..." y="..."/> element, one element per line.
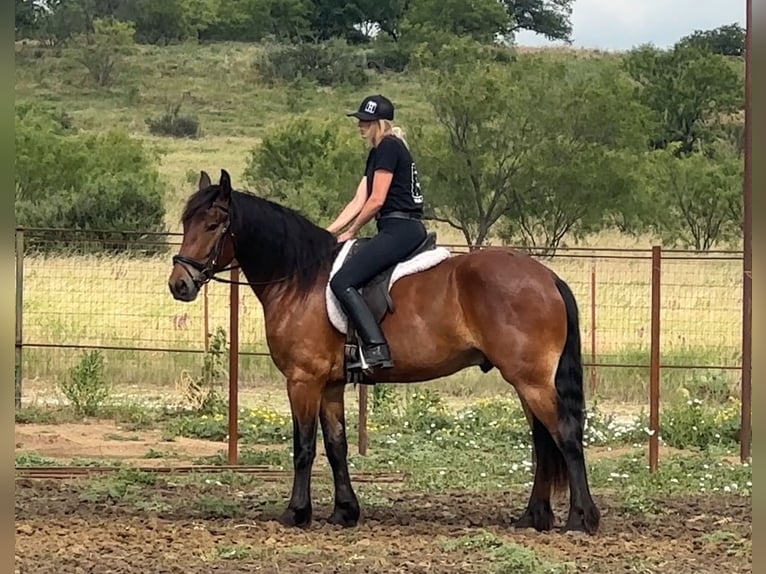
<point x="420" y="262"/>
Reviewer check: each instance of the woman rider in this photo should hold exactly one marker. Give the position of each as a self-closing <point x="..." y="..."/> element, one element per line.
<point x="389" y="191"/>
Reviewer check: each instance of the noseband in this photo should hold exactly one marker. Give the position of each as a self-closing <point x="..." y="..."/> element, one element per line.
<point x="206" y="269"/>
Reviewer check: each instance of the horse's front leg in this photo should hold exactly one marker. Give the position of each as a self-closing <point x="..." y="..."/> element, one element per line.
<point x="305" y="397"/>
<point x="333" y="419"/>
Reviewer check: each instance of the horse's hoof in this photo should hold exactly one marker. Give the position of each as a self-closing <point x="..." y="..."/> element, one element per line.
<point x="587" y="520"/>
<point x="296" y="517"/>
<point x="540" y="520"/>
<point x="345" y="516"/>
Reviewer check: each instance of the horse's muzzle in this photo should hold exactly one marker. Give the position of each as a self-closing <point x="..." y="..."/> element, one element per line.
<point x="183" y="288"/>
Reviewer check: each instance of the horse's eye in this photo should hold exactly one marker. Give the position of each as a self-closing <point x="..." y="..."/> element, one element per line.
<point x="212" y="227"/>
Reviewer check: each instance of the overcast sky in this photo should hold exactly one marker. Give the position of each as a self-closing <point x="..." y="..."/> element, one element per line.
<point x="622" y="24"/>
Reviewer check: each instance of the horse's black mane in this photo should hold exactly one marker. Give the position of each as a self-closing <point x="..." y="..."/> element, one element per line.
<point x="273" y="242"/>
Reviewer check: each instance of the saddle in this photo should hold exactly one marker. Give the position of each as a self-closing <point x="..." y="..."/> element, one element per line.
<point x="377" y="297"/>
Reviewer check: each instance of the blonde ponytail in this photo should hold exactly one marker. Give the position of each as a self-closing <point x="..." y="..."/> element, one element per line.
<point x="398" y="132"/>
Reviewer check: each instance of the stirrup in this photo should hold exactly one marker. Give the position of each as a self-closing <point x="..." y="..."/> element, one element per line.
<point x="383" y="361"/>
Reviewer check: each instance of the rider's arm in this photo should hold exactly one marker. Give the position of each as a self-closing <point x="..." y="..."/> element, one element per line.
<point x="380" y="185"/>
<point x="352" y="208"/>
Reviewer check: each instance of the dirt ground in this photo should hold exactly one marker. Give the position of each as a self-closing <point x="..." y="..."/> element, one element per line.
<point x="60" y="530"/>
<point x="107" y="440"/>
<point x="191" y="528"/>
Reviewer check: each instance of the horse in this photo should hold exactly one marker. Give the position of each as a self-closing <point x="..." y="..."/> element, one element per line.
<point x="489" y="308"/>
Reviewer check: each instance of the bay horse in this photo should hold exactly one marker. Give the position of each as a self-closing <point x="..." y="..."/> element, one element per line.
<point x="492" y="308"/>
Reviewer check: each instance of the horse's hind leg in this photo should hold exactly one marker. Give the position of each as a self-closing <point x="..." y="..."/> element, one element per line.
<point x="539" y="514"/>
<point x="333" y="420"/>
<point x="559" y="449"/>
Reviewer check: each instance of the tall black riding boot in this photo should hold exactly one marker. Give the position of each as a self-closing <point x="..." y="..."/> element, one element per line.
<point x="376" y="351"/>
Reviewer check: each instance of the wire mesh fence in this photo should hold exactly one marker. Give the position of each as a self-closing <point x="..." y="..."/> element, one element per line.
<point x="81" y="290"/>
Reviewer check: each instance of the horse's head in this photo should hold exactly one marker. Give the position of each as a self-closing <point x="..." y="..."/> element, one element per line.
<point x="207" y="246"/>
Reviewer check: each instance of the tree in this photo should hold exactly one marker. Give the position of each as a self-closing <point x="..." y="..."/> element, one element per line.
<point x="310" y="165"/>
<point x="104" y="50"/>
<point x="691" y="91"/>
<point x="483" y="20"/>
<point x="536" y="145"/>
<point x="159" y="22"/>
<point x="549" y="18"/>
<point x="728" y="40"/>
<point x="27" y="18"/>
<point x="106" y="182"/>
<point x="696" y="198"/>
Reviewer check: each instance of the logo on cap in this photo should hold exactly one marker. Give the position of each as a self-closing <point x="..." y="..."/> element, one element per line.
<point x="371" y="106"/>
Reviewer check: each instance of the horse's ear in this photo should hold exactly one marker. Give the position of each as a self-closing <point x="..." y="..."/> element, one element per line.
<point x="225" y="185"/>
<point x="204" y="180"/>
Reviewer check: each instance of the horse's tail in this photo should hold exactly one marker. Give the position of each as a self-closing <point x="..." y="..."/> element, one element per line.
<point x="570" y="395"/>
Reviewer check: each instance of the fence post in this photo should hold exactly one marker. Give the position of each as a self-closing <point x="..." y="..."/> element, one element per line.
<point x="19" y="315"/>
<point x="363" y="389"/>
<point x="745" y="438"/>
<point x="654" y="369"/>
<point x="593" y="377"/>
<point x="233" y="367"/>
<point x="205" y="318"/>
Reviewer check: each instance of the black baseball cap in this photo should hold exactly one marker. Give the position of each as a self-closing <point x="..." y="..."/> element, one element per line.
<point x="373" y="108"/>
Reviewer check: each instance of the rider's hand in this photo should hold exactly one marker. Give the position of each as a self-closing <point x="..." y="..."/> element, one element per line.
<point x="346" y="235"/>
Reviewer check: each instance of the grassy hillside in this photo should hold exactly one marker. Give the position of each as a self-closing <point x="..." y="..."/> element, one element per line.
<point x="218" y="84"/>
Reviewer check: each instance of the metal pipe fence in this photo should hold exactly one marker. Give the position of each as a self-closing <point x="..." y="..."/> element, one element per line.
<point x="649" y="313"/>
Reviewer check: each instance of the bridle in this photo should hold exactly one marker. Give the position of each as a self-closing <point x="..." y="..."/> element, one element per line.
<point x="207" y="269"/>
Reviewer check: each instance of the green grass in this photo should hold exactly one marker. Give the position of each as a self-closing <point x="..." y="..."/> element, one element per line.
<point x="482" y="448"/>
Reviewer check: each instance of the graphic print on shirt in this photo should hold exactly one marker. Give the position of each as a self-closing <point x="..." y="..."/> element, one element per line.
<point x="415" y="190"/>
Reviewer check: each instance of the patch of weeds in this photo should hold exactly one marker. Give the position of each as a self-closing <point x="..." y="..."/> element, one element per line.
<point x="153" y="505"/>
<point x="260" y="425"/>
<point x="484" y="540"/>
<point x="506" y="557"/>
<point x="31" y="459"/>
<point x="42" y="415"/>
<point x="516" y="559"/>
<point x="229" y="552"/>
<point x="373" y="495"/>
<point x="95" y="462"/>
<point x="125" y="484"/>
<point x="173" y="123"/>
<point x="153" y="453"/>
<point x="133" y="416"/>
<point x="212" y="507"/>
<point x="601" y="429"/>
<point x="700" y="474"/>
<point x="204" y="394"/>
<point x="697" y="425"/>
<point x="85" y="386"/>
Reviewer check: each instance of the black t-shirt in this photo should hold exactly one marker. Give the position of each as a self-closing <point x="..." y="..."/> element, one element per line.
<point x="405" y="193"/>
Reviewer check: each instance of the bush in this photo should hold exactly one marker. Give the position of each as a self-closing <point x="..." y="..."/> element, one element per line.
<point x="172" y="123"/>
<point x="696" y="425"/>
<point x="309" y="164"/>
<point x="386" y="55"/>
<point x="330" y="63"/>
<point x="107" y="183"/>
<point x="104" y="51"/>
<point x="85" y="387"/>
